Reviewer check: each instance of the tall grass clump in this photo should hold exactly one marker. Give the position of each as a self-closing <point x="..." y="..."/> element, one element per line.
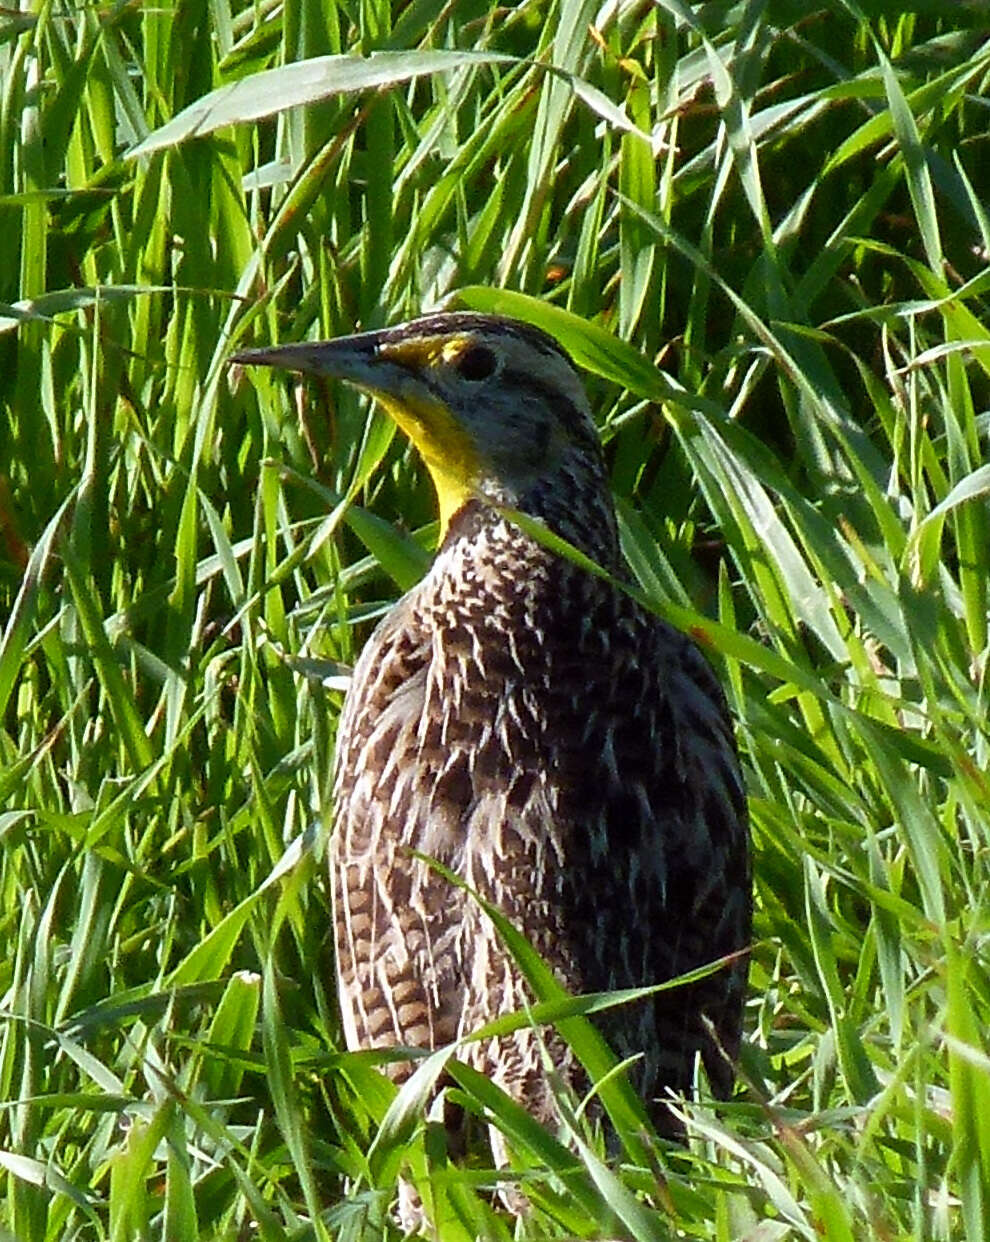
<point x="763" y="230"/>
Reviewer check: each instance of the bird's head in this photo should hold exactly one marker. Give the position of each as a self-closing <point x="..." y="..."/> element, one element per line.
<point x="495" y="408"/>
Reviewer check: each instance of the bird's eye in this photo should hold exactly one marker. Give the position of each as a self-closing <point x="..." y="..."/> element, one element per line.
<point x="476" y="363"/>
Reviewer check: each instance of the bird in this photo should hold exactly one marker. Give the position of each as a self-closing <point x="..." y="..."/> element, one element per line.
<point x="529" y="725"/>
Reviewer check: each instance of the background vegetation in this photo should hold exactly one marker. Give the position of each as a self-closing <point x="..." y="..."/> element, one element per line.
<point x="771" y="221"/>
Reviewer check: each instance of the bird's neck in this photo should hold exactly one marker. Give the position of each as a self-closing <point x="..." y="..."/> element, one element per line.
<point x="584" y="516"/>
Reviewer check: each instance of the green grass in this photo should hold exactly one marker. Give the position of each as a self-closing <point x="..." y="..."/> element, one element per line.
<point x="763" y="230"/>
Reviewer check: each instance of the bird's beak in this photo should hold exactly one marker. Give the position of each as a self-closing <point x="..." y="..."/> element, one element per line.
<point x="391" y="371"/>
<point x="375" y="362"/>
<point x="355" y="359"/>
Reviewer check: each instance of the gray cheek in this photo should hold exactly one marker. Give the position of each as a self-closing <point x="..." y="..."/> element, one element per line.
<point x="516" y="433"/>
<point x="527" y="440"/>
<point x="540" y="437"/>
<point x="529" y="429"/>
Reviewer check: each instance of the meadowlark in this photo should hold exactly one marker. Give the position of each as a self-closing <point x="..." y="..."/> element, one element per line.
<point x="530" y="726"/>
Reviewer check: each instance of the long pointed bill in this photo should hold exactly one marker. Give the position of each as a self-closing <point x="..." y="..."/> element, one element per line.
<point x="392" y="371"/>
<point x="352" y="358"/>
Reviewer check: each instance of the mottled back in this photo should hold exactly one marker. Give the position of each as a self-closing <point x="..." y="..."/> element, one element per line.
<point x="568" y="755"/>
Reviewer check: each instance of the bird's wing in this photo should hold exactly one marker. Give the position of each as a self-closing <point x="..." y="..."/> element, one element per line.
<point x="395" y="918"/>
<point x="658" y="879"/>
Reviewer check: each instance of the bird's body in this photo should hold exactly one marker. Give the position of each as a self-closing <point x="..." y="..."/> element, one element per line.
<point x="532" y="728"/>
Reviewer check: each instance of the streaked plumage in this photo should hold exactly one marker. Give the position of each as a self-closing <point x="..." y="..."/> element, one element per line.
<point x="533" y="729"/>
